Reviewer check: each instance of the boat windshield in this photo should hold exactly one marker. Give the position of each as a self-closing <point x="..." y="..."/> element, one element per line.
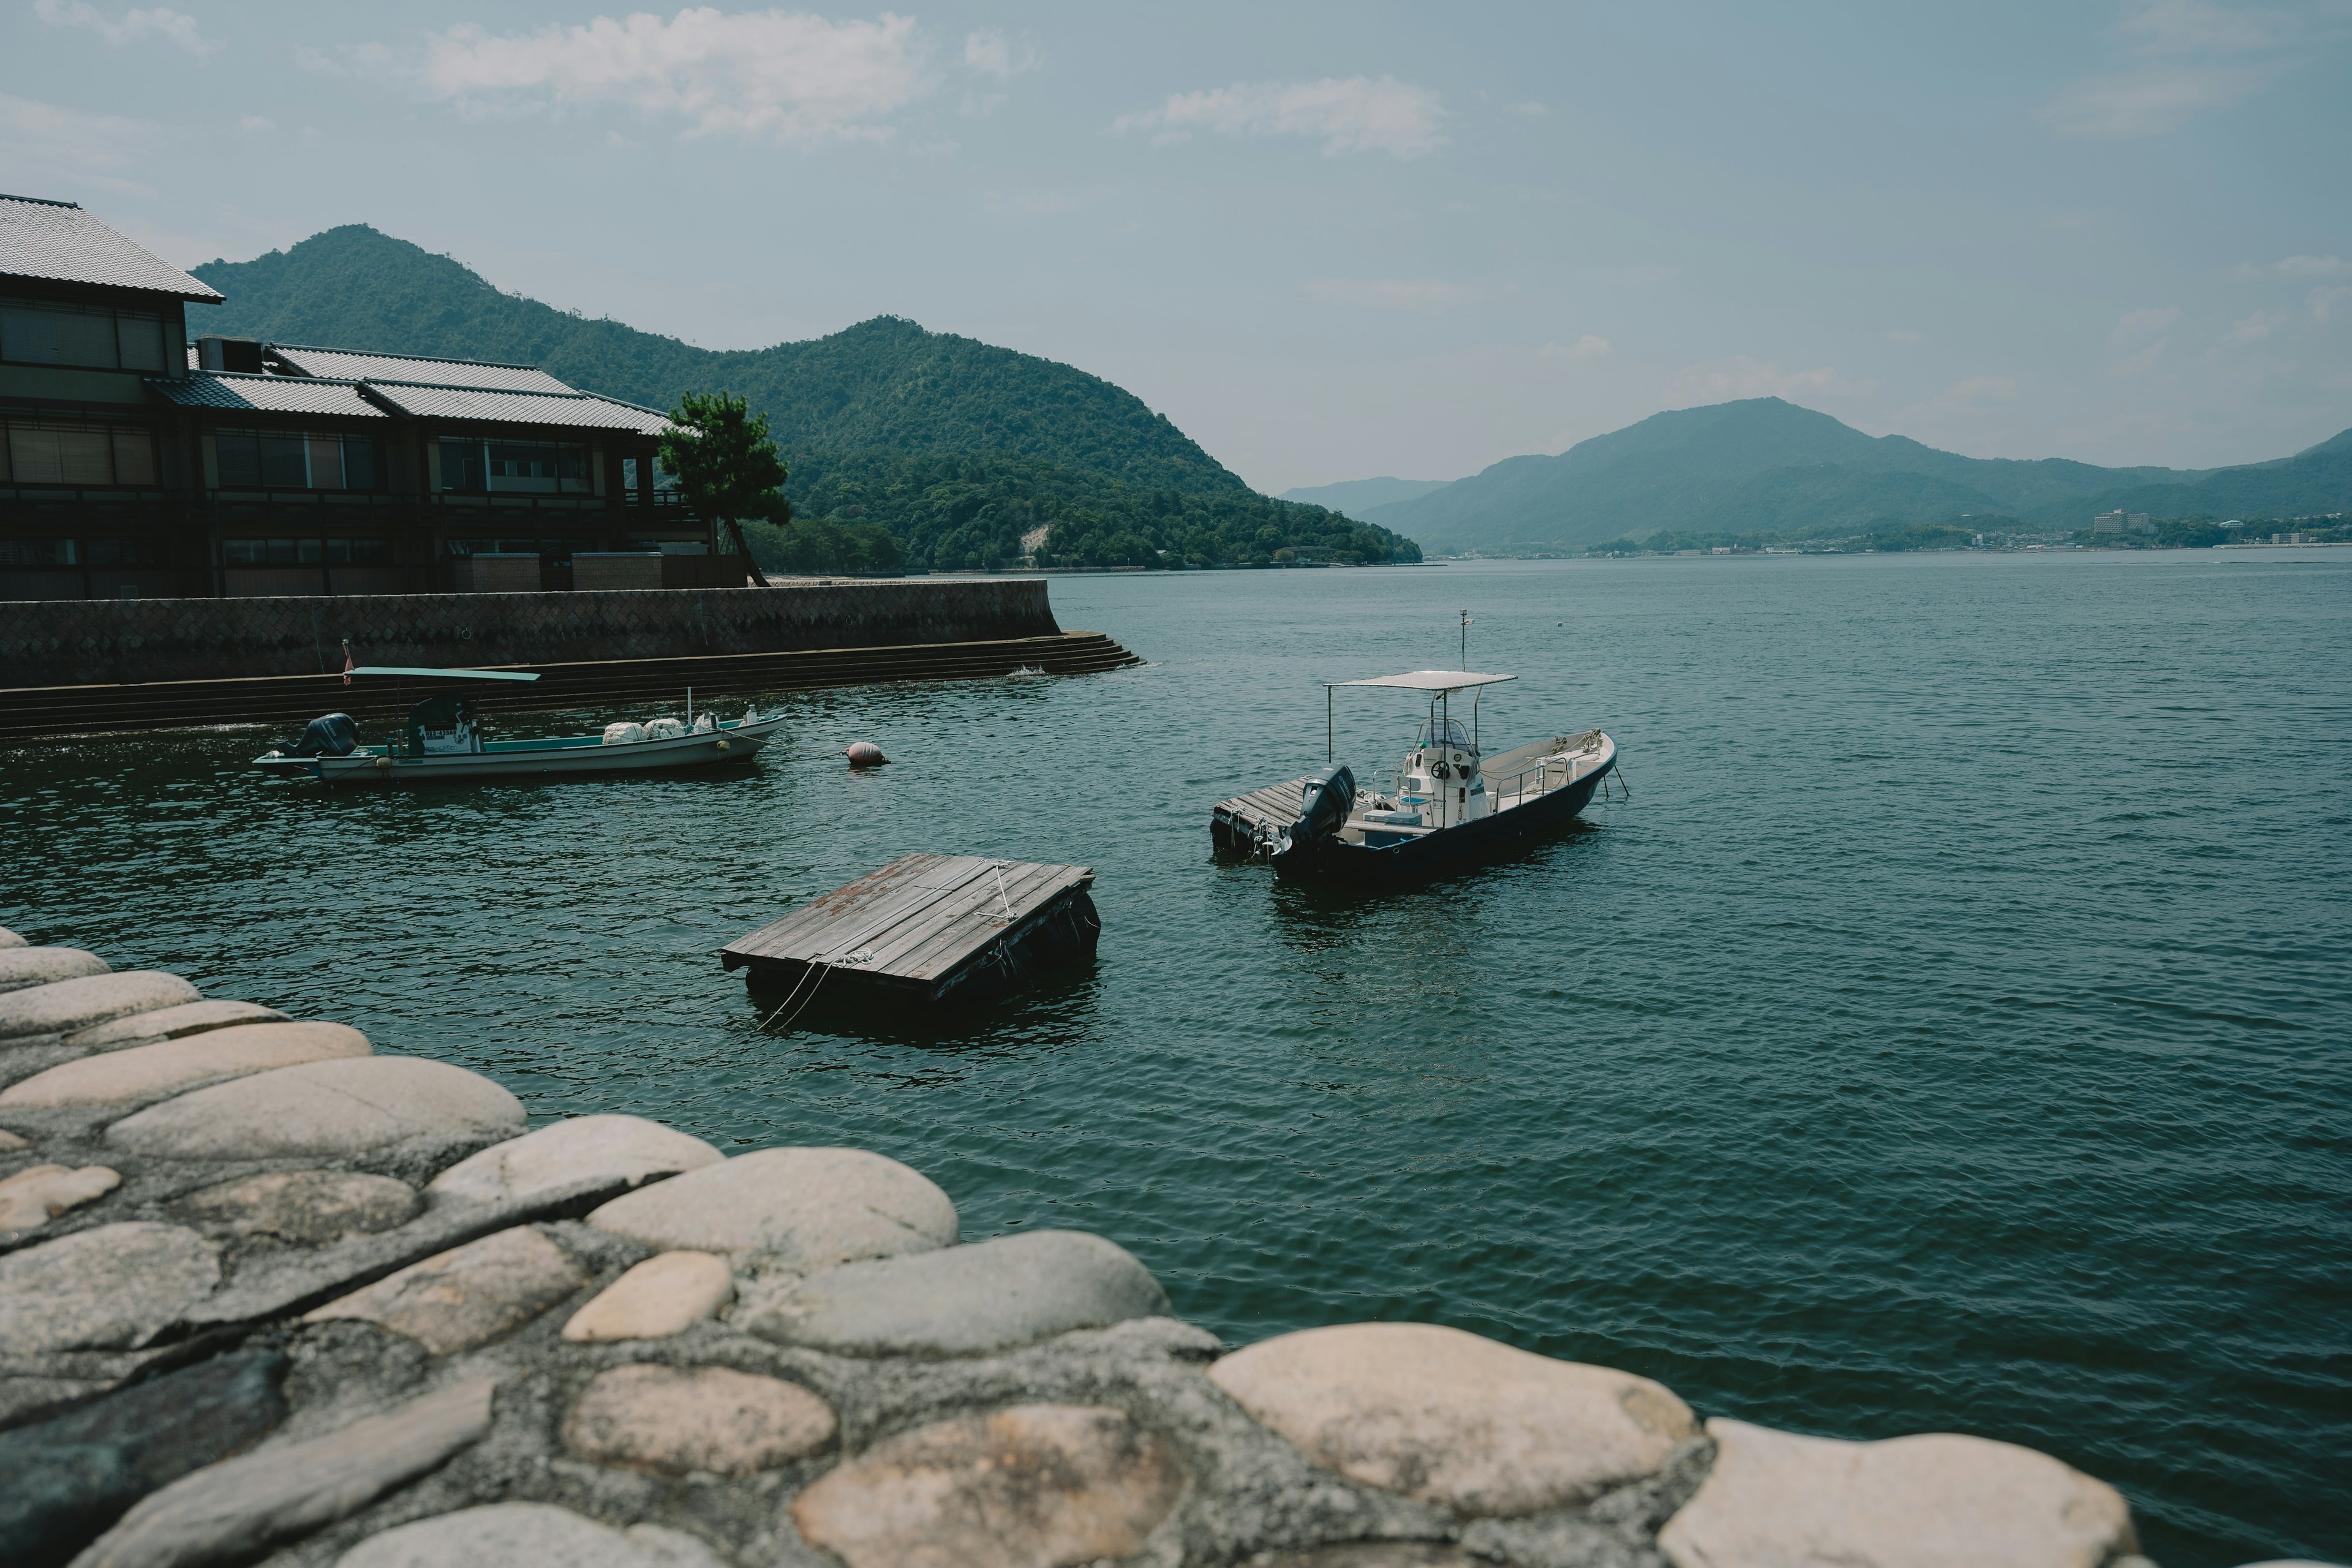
<point x="1448" y="733"/>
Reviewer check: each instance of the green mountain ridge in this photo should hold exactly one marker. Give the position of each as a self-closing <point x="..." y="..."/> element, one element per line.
<point x="1762" y="464"/>
<point x="1038" y="443"/>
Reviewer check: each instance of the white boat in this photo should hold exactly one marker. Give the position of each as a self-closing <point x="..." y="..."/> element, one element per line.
<point x="1450" y="804"/>
<point x="445" y="737"/>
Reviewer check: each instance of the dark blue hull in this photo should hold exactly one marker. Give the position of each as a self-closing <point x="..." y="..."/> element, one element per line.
<point x="1334" y="860"/>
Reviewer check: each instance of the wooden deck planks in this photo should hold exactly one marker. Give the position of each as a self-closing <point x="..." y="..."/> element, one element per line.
<point x="915" y="922"/>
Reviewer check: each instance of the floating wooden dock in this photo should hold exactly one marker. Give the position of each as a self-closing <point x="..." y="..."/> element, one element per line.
<point x="925" y="926"/>
<point x="1250" y="824"/>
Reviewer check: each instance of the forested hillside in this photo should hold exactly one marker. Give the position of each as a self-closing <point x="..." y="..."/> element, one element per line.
<point x="870" y="410"/>
<point x="1757" y="464"/>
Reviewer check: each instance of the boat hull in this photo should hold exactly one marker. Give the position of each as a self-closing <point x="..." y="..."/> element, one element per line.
<point x="580" y="757"/>
<point x="1333" y="860"/>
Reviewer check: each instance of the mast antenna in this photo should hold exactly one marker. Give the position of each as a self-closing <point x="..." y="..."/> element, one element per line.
<point x="1467" y="624"/>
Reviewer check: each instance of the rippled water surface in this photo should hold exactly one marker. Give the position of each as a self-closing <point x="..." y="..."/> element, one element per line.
<point x="1950" y="1033"/>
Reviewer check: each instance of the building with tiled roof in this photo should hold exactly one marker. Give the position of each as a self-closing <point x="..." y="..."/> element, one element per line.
<point x="135" y="462"/>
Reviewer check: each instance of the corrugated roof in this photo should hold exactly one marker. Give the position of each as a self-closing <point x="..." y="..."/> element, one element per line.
<point x="58" y="241"/>
<point x="583" y="410"/>
<point x="234" y="391"/>
<point x="352" y="364"/>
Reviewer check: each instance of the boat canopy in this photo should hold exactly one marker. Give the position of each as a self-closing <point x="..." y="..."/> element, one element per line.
<point x="446" y="674"/>
<point x="1431" y="680"/>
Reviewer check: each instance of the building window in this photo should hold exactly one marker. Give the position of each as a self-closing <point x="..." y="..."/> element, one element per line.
<point x="47" y="456"/>
<point x="126" y="552"/>
<point x="88" y="337"/>
<point x="306" y="551"/>
<point x="269" y="459"/>
<point x="506" y="467"/>
<point x="38" y="553"/>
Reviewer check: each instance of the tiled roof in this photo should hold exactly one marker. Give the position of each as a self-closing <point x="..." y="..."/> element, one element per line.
<point x="267" y="394"/>
<point x="352" y="365"/>
<point x="58" y="241"/>
<point x="580" y="409"/>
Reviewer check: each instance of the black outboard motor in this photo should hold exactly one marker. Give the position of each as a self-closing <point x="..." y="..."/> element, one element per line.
<point x="1324" y="806"/>
<point x="330" y="735"/>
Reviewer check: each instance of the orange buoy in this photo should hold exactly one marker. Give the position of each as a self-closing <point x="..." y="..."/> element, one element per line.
<point x="864" y="755"/>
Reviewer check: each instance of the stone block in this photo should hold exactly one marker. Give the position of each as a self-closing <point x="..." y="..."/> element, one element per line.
<point x="234" y="1509"/>
<point x="1939" y="1500"/>
<point x="1035" y="1486"/>
<point x="112" y="1287"/>
<point x="527" y="1535"/>
<point x="628" y="1148"/>
<point x="312" y="1207"/>
<point x="329" y="1107"/>
<point x="666" y="1294"/>
<point x="789" y="1208"/>
<point x="72" y="1476"/>
<point x="1451" y="1418"/>
<point x="23" y="966"/>
<point x="468" y="1295"/>
<point x="137" y="1075"/>
<point x="37" y="1194"/>
<point x="170" y="1024"/>
<point x="674" y="1420"/>
<point x="963" y="1301"/>
<point x="64" y="1006"/>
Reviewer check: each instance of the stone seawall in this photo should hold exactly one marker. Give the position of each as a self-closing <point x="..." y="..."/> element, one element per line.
<point x="75" y="642"/>
<point x="267" y="1295"/>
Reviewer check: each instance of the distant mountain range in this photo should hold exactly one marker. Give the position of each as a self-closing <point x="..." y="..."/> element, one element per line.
<point x="1353" y="496"/>
<point x="959" y="448"/>
<point x="1764" y="465"/>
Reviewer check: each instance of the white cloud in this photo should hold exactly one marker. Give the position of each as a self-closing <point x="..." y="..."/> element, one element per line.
<point x="348" y="60"/>
<point x="778" y="75"/>
<point x="1424" y="296"/>
<point x="2184" y="68"/>
<point x="2150" y="102"/>
<point x="2135" y="326"/>
<point x="1590" y="346"/>
<point x="989" y="53"/>
<point x="1717" y="381"/>
<point x="1530" y="109"/>
<point x="2254" y="329"/>
<point x="136" y="27"/>
<point x="1352" y="114"/>
<point x="1905" y="335"/>
<point x="255" y="123"/>
<point x="2322" y="303"/>
<point x="2313" y="266"/>
<point x="2143" y="363"/>
<point x="2197" y="27"/>
<point x="64" y="150"/>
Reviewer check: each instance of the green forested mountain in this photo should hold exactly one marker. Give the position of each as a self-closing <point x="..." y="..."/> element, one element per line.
<point x="864" y="417"/>
<point x="1355" y="496"/>
<point x="1763" y="465"/>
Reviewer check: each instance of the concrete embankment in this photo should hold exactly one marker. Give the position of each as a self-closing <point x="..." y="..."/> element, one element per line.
<point x="82" y="667"/>
<point x="268" y="1294"/>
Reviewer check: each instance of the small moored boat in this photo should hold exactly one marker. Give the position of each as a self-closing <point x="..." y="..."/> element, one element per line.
<point x="447" y="737"/>
<point x="1450" y="802"/>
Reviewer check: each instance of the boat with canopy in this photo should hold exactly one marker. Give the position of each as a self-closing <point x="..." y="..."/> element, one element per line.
<point x="446" y="736"/>
<point x="1448" y="801"/>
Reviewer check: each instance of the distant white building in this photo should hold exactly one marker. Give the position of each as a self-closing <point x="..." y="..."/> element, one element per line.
<point x="2121" y="521"/>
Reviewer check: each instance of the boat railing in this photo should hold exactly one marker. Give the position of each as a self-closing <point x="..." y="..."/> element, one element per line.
<point x="1510" y="789"/>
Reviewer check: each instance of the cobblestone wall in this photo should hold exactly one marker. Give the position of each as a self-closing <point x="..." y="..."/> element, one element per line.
<point x="73" y="642"/>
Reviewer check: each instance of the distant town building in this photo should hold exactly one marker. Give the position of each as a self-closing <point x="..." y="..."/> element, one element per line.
<point x="2120" y="522"/>
<point x="134" y="462"/>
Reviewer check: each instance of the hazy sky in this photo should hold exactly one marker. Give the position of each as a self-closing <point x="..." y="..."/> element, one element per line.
<point x="1328" y="240"/>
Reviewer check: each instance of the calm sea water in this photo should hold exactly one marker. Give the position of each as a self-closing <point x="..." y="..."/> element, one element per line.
<point x="1953" y="1031"/>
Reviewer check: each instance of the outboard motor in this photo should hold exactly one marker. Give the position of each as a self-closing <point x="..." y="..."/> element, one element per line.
<point x="1323" y="809"/>
<point x="330" y="735"/>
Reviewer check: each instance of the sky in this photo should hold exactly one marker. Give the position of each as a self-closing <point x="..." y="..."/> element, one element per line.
<point x="1330" y="241"/>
